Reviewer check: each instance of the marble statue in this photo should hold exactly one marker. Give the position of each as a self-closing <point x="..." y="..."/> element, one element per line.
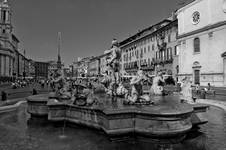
<point x="157" y="85"/>
<point x="121" y="91"/>
<point x="113" y="63"/>
<point x="61" y="85"/>
<point x="137" y="95"/>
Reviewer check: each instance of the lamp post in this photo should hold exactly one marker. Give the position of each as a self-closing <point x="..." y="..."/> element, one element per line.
<point x="72" y="70"/>
<point x="24" y="74"/>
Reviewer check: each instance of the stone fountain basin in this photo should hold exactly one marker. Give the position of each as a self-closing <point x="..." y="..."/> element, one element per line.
<point x="167" y="118"/>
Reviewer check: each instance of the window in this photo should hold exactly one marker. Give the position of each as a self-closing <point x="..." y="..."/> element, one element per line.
<point x="167" y="54"/>
<point x="197" y="76"/>
<point x="175" y="50"/>
<point x="196" y="45"/>
<point x="148" y="48"/>
<point x="169" y="37"/>
<point x="170" y="53"/>
<point x="141" y="53"/>
<point x="144" y="50"/>
<point x="163" y="55"/>
<point x="153" y="47"/>
<point x="4" y="16"/>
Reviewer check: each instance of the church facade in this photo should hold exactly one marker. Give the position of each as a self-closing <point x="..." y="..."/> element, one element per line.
<point x="202" y="42"/>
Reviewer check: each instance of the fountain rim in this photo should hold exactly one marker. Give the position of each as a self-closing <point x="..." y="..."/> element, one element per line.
<point x="137" y="110"/>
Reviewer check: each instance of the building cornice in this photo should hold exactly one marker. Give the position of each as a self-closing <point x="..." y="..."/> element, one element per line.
<point x="208" y="27"/>
<point x="188" y="5"/>
<point x="6" y="49"/>
<point x="138" y="35"/>
<point x="152" y="33"/>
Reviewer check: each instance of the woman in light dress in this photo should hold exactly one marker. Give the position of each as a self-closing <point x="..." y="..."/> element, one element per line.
<point x="186" y="90"/>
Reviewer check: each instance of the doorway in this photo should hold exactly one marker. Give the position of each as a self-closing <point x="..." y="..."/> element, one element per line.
<point x="196" y="76"/>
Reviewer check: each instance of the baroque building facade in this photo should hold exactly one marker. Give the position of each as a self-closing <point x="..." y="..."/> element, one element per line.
<point x="201" y="37"/>
<point x="13" y="63"/>
<point x="94" y="66"/>
<point x="7" y="46"/>
<point x="152" y="49"/>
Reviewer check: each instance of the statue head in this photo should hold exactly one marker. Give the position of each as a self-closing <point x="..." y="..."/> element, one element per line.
<point x="140" y="73"/>
<point x="114" y="43"/>
<point x="159" y="73"/>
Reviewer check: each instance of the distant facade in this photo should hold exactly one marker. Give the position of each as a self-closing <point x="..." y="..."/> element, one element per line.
<point x="7" y="51"/>
<point x="81" y="66"/>
<point x="202" y="42"/>
<point x="13" y="64"/>
<point x="152" y="49"/>
<point x="31" y="68"/>
<point x="67" y="72"/>
<point x="41" y="70"/>
<point x="103" y="63"/>
<point x="94" y="66"/>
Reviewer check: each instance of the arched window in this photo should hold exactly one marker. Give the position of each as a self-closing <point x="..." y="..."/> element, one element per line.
<point x="196" y="45"/>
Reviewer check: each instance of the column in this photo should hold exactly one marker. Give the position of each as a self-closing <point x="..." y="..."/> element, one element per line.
<point x="4" y="62"/>
<point x="10" y="66"/>
<point x="0" y="65"/>
<point x="7" y="65"/>
<point x="224" y="69"/>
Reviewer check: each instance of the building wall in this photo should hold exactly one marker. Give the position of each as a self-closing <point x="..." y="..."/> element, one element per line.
<point x="103" y="63"/>
<point x="41" y="70"/>
<point x="211" y="30"/>
<point x="211" y="12"/>
<point x="145" y="53"/>
<point x="94" y="67"/>
<point x="209" y="57"/>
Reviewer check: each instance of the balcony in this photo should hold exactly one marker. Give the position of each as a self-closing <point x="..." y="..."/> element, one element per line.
<point x="162" y="46"/>
<point x="147" y="67"/>
<point x="132" y="67"/>
<point x="163" y="62"/>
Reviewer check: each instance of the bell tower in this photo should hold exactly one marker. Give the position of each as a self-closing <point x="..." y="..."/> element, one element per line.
<point x="5" y="20"/>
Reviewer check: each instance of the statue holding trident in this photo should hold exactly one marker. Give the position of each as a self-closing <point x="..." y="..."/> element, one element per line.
<point x="113" y="64"/>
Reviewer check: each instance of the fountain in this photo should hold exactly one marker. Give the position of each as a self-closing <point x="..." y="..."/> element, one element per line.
<point x="119" y="112"/>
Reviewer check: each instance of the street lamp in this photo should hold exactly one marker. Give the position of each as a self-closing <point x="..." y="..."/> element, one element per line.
<point x="24" y="73"/>
<point x="72" y="70"/>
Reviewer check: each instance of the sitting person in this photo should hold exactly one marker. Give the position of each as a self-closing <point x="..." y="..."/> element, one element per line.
<point x="209" y="89"/>
<point x="197" y="88"/>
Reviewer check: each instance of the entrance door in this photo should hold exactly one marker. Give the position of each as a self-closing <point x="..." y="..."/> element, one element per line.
<point x="224" y="71"/>
<point x="197" y="77"/>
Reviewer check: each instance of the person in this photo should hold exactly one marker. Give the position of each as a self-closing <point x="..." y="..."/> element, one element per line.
<point x="209" y="87"/>
<point x="186" y="92"/>
<point x="197" y="88"/>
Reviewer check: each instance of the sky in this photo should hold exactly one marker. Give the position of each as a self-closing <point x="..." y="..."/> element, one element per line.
<point x="87" y="26"/>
